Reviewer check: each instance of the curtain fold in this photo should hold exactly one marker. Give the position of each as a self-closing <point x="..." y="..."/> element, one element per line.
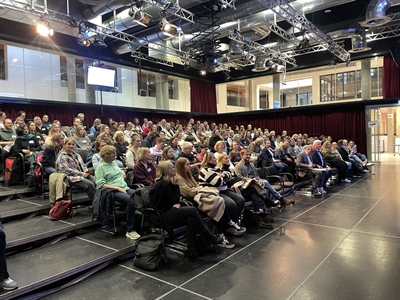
<point x="203" y="97"/>
<point x="390" y="78"/>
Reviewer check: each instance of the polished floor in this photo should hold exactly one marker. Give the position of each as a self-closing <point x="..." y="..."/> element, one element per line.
<point x="345" y="245"/>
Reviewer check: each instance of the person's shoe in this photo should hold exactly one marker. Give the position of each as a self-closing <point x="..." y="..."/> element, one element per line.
<point x="365" y="171"/>
<point x="235" y="229"/>
<point x="225" y="243"/>
<point x="346" y="180"/>
<point x="285" y="202"/>
<point x="133" y="235"/>
<point x="369" y="164"/>
<point x="316" y="193"/>
<point x="328" y="184"/>
<point x="216" y="239"/>
<point x="321" y="190"/>
<point x="8" y="284"/>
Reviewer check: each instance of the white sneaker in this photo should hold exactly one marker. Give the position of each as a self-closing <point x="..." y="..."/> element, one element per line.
<point x="8" y="284"/>
<point x="365" y="171"/>
<point x="225" y="243"/>
<point x="346" y="180"/>
<point x="369" y="164"/>
<point x="321" y="190"/>
<point x="133" y="235"/>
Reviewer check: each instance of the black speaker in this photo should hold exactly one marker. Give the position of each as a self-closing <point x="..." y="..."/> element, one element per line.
<point x="395" y="52"/>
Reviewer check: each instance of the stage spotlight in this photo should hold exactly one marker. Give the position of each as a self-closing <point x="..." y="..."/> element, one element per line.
<point x="203" y="72"/>
<point x="168" y="28"/>
<point x="139" y="16"/>
<point x="43" y="27"/>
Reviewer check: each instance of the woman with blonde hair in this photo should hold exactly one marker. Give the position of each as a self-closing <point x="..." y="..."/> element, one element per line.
<point x="109" y="176"/>
<point x="82" y="141"/>
<point x="120" y="145"/>
<point x="166" y="195"/>
<point x="255" y="147"/>
<point x="144" y="171"/>
<point x="51" y="151"/>
<point x="168" y="154"/>
<point x="131" y="153"/>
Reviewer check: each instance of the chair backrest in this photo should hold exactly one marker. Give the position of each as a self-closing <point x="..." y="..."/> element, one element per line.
<point x="66" y="129"/>
<point x="271" y="170"/>
<point x="83" y="154"/>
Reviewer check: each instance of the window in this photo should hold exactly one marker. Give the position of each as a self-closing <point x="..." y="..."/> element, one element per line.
<point x="147" y="84"/>
<point x="63" y="71"/>
<point x="2" y="63"/>
<point x="172" y="88"/>
<point x="236" y="96"/>
<point x="263" y="99"/>
<point x="296" y="92"/>
<point x="327" y="85"/>
<point x="376" y="82"/>
<point x="79" y="74"/>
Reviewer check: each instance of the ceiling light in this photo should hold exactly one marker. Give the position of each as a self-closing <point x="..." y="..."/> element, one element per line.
<point x="43" y="27"/>
<point x="139" y="16"/>
<point x="235" y="49"/>
<point x="168" y="28"/>
<point x="203" y="72"/>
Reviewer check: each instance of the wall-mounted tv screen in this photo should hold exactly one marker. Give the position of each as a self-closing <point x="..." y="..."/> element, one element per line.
<point x="101" y="76"/>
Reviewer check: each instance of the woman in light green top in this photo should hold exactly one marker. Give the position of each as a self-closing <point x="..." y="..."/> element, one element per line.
<point x="110" y="176"/>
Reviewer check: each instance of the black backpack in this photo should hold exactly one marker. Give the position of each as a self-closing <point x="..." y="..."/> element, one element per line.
<point x="150" y="251"/>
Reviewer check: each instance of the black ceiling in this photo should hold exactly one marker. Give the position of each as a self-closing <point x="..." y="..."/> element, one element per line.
<point x="340" y="17"/>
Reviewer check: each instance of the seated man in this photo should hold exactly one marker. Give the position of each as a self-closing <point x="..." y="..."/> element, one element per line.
<point x="7" y="137"/>
<point x="356" y="166"/>
<point x="268" y="158"/>
<point x="246" y="169"/>
<point x="318" y="159"/>
<point x="305" y="166"/>
<point x="363" y="158"/>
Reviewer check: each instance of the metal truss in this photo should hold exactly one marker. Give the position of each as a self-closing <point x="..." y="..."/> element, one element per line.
<point x="227" y="3"/>
<point x="384" y="32"/>
<point x="172" y="9"/>
<point x="308" y="50"/>
<point x="241" y="62"/>
<point x="283" y="33"/>
<point x="298" y="20"/>
<point x="256" y="47"/>
<point x="143" y="56"/>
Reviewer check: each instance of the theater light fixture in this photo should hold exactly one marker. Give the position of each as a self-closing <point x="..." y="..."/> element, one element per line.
<point x="168" y="28"/>
<point x="43" y="27"/>
<point x="203" y="72"/>
<point x="139" y="16"/>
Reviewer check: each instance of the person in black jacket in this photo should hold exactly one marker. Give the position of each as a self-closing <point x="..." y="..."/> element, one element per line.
<point x="165" y="196"/>
<point x="5" y="281"/>
<point x="26" y="143"/>
<point x="50" y="153"/>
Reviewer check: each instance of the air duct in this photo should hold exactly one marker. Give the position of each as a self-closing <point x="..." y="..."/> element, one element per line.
<point x="358" y="39"/>
<point x="376" y="12"/>
<point x="262" y="64"/>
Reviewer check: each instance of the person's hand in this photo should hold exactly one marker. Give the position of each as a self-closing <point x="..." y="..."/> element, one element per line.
<point x="310" y="166"/>
<point x="176" y="206"/>
<point x="85" y="174"/>
<point x="328" y="167"/>
<point x="319" y="167"/>
<point x="122" y="190"/>
<point x="288" y="159"/>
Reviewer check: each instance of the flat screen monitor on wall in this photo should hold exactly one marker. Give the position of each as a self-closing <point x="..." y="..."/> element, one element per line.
<point x="101" y="76"/>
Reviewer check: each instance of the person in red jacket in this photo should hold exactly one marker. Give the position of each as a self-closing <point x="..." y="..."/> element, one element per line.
<point x="144" y="171"/>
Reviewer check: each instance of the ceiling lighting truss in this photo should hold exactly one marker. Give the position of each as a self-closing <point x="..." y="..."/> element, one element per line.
<point x="172" y="9"/>
<point x="143" y="56"/>
<point x="384" y="32"/>
<point x="256" y="47"/>
<point x="283" y="33"/>
<point x="298" y="20"/>
<point x="312" y="49"/>
<point x="224" y="4"/>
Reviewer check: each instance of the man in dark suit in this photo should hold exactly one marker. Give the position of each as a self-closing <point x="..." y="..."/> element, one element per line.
<point x="308" y="168"/>
<point x="318" y="159"/>
<point x="6" y="283"/>
<point x="268" y="159"/>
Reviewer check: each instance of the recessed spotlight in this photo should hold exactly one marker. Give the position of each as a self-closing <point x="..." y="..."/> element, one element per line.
<point x="327" y="11"/>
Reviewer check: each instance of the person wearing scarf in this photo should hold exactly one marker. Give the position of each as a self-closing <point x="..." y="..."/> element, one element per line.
<point x="26" y="144"/>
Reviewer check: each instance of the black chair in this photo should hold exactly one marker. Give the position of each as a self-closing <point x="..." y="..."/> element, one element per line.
<point x="286" y="179"/>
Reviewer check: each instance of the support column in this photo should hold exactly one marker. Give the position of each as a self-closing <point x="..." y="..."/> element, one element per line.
<point x="366" y="79"/>
<point x="276" y="92"/>
<point x="162" y="95"/>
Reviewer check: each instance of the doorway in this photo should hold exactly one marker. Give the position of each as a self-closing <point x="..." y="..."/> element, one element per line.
<point x="383" y="133"/>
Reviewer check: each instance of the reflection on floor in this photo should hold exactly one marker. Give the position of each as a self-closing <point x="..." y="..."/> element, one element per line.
<point x="343" y="246"/>
<point x="390" y="159"/>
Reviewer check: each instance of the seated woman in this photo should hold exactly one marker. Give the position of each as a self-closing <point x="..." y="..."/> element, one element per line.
<point x="39" y="136"/>
<point x="187" y="152"/>
<point x="131" y="153"/>
<point x="168" y="154"/>
<point x="212" y="205"/>
<point x="54" y="128"/>
<point x="210" y="175"/>
<point x="166" y="195"/>
<point x="110" y="176"/>
<point x="82" y="141"/>
<point x="246" y="139"/>
<point x="93" y="129"/>
<point x="220" y="147"/>
<point x="70" y="163"/>
<point x="234" y="155"/>
<point x="284" y="156"/>
<point x="120" y="145"/>
<point x="203" y="149"/>
<point x="26" y="144"/>
<point x="334" y="159"/>
<point x="50" y="153"/>
<point x="255" y="147"/>
<point x="144" y="171"/>
<point x="174" y="143"/>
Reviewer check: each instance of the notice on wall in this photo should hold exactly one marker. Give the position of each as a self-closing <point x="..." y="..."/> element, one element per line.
<point x="373" y="124"/>
<point x="390" y="116"/>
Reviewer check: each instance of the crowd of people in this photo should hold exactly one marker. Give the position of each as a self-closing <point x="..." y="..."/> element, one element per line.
<point x="213" y="166"/>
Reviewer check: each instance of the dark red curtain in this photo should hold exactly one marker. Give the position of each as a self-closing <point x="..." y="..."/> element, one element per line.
<point x="344" y="122"/>
<point x="203" y="97"/>
<point x="390" y="78"/>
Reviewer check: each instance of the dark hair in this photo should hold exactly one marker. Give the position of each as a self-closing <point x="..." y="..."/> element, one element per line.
<point x="20" y="129"/>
